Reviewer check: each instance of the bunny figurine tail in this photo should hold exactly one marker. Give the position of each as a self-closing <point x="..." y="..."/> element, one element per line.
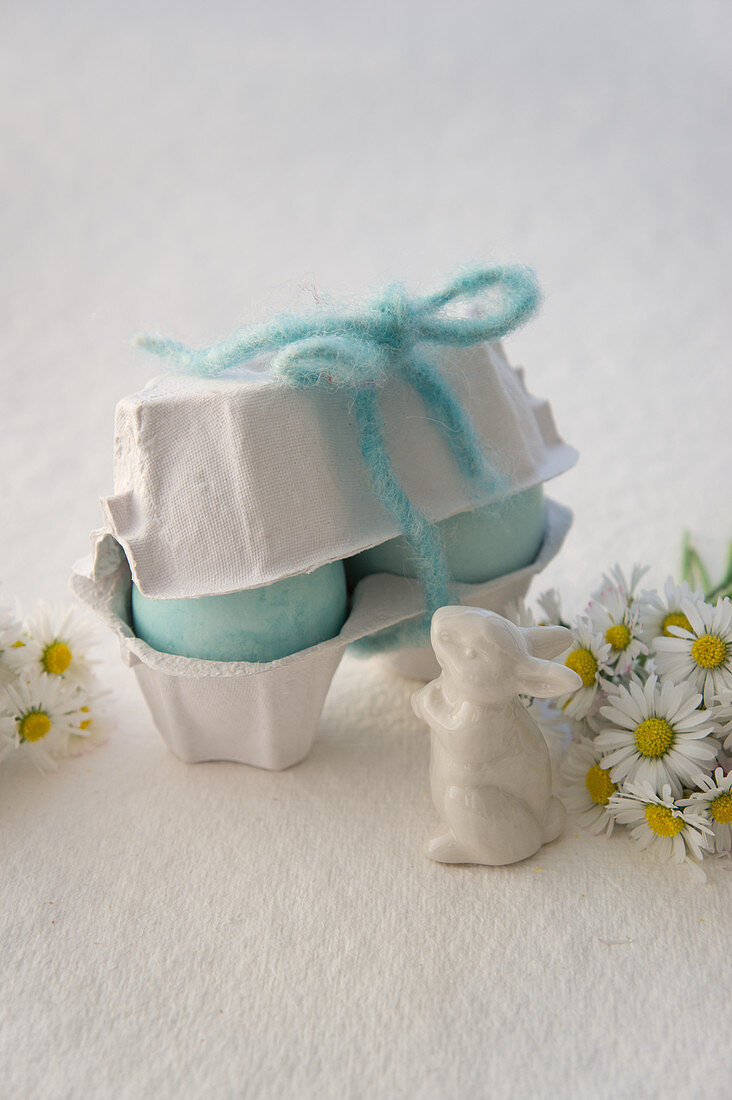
<point x="489" y="770"/>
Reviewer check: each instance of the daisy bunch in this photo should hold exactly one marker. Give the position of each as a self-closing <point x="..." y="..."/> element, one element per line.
<point x="51" y="703"/>
<point x="648" y="735"/>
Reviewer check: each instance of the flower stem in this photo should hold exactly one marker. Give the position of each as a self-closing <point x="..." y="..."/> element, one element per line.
<point x="694" y="572"/>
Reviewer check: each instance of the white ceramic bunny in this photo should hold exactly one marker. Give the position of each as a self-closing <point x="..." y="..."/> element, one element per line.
<point x="490" y="771"/>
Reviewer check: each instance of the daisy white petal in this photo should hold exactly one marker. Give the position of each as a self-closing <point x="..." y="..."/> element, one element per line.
<point x="692" y="608"/>
<point x="620" y="707"/>
<point x="618" y="718"/>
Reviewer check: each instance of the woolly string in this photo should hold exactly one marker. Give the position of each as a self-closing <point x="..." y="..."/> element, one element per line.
<point x="358" y="351"/>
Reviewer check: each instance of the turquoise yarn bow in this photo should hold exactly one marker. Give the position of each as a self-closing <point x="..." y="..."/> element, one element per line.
<point x="358" y="350"/>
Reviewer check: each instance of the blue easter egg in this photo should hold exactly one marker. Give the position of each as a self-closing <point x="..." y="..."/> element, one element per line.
<point x="479" y="545"/>
<point x="257" y="624"/>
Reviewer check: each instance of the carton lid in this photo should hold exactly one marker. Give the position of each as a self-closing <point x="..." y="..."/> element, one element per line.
<point x="231" y="483"/>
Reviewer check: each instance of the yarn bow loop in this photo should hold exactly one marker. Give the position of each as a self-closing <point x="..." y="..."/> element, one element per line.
<point x="337" y="361"/>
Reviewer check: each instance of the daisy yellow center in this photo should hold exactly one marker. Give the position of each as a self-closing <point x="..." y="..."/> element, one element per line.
<point x="709" y="651"/>
<point x="56" y="658"/>
<point x="721" y="809"/>
<point x="600" y="785"/>
<point x="618" y="636"/>
<point x="654" y="737"/>
<point x="584" y="664"/>
<point x="675" y="618"/>
<point x="34" y="726"/>
<point x="662" y="822"/>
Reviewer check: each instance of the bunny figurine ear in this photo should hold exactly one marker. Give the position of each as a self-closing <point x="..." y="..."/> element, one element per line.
<point x="547" y="641"/>
<point x="546" y="679"/>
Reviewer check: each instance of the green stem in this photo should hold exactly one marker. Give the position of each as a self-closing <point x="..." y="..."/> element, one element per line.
<point x="686" y="558"/>
<point x="694" y="572"/>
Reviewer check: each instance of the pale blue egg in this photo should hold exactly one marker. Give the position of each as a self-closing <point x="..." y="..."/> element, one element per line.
<point x="257" y="624"/>
<point x="479" y="545"/>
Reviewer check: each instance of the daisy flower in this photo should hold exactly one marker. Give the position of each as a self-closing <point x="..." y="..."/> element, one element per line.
<point x="703" y="653"/>
<point x="44" y="711"/>
<point x="714" y="802"/>
<point x="10" y="632"/>
<point x="90" y="726"/>
<point x="658" y="736"/>
<point x="619" y="624"/>
<point x="661" y="825"/>
<point x="58" y="643"/>
<point x="550" y="604"/>
<point x="615" y="581"/>
<point x="588" y="787"/>
<point x="589" y="659"/>
<point x="659" y="612"/>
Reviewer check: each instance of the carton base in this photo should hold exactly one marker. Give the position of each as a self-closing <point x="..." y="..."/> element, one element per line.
<point x="266" y="714"/>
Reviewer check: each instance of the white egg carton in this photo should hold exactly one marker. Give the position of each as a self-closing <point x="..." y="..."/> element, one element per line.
<point x="232" y="483"/>
<point x="266" y="714"/>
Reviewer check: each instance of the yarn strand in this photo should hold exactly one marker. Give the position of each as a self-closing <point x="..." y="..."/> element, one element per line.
<point x="422" y="536"/>
<point x="358" y="351"/>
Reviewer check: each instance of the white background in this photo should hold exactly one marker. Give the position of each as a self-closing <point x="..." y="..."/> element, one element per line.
<point x="213" y="931"/>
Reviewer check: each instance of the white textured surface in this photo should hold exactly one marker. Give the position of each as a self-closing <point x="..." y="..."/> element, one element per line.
<point x="212" y="931"/>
